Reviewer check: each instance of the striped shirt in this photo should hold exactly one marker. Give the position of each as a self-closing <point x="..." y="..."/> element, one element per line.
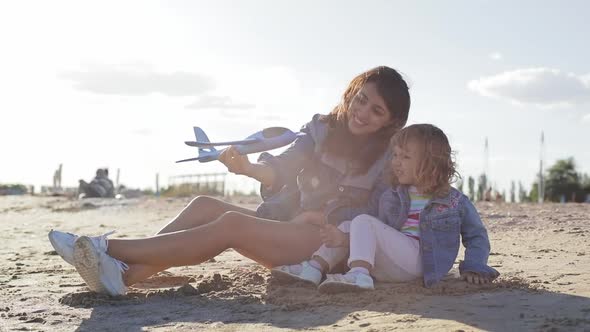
<point x="417" y="202"/>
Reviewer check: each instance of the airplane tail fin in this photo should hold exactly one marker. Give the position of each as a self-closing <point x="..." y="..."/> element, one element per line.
<point x="200" y="136"/>
<point x="206" y="152"/>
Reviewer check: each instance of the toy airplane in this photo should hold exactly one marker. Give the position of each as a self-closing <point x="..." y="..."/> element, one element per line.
<point x="264" y="140"/>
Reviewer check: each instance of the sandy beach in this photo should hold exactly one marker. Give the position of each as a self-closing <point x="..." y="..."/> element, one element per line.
<point x="542" y="252"/>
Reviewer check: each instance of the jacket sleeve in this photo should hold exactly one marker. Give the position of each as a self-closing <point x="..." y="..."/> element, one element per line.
<point x="476" y="242"/>
<point x="336" y="213"/>
<point x="288" y="164"/>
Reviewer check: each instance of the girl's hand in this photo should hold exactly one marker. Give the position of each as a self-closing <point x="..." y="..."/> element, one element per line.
<point x="333" y="237"/>
<point x="235" y="162"/>
<point x="474" y="278"/>
<point x="310" y="217"/>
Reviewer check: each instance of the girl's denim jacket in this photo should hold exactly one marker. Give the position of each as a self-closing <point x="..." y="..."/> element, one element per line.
<point x="442" y="222"/>
<point x="308" y="179"/>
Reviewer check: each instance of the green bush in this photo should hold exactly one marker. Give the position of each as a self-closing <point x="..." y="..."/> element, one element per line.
<point x="13" y="189"/>
<point x="189" y="190"/>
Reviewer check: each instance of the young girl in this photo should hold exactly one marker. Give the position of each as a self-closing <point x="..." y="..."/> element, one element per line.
<point x="421" y="218"/>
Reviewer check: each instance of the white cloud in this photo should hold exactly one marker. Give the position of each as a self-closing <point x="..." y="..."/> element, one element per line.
<point x="496" y="56"/>
<point x="134" y="80"/>
<point x="143" y="132"/>
<point x="218" y="102"/>
<point x="586" y="118"/>
<point x="544" y="87"/>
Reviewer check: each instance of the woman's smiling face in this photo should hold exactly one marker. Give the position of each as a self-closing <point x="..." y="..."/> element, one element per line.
<point x="368" y="112"/>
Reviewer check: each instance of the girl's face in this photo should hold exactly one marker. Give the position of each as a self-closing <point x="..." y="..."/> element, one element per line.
<point x="367" y="111"/>
<point x="406" y="161"/>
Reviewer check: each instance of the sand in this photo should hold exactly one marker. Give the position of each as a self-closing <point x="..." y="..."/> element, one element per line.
<point x="542" y="252"/>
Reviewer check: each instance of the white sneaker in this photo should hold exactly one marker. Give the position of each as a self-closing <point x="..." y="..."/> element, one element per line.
<point x="63" y="243"/>
<point x="101" y="272"/>
<point x="308" y="273"/>
<point x="349" y="282"/>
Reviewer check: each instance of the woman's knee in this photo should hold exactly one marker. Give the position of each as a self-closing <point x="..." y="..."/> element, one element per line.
<point x="202" y="201"/>
<point x="206" y="206"/>
<point x="232" y="220"/>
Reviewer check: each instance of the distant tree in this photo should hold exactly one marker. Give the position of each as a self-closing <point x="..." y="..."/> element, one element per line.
<point x="563" y="181"/>
<point x="534" y="194"/>
<point x="482" y="186"/>
<point x="148" y="191"/>
<point x="512" y="193"/>
<point x="522" y="196"/>
<point x="459" y="184"/>
<point x="471" y="188"/>
<point x="586" y="187"/>
<point x="13" y="189"/>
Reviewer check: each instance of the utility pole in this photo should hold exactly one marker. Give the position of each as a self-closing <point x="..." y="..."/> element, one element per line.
<point x="486" y="164"/>
<point x="157" y="184"/>
<point x="486" y="156"/>
<point x="541" y="176"/>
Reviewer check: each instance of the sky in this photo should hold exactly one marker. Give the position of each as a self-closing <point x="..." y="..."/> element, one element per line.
<point x="120" y="84"/>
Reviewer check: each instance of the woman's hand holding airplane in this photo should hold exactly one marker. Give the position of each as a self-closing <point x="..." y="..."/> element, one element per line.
<point x="235" y="162"/>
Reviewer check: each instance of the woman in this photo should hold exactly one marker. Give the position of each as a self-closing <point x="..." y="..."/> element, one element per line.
<point x="326" y="175"/>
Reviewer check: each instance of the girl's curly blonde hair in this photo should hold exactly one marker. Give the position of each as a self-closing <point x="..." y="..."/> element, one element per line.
<point x="437" y="169"/>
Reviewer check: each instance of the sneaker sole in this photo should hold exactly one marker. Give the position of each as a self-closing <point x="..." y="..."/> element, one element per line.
<point x="334" y="287"/>
<point x="87" y="263"/>
<point x="284" y="277"/>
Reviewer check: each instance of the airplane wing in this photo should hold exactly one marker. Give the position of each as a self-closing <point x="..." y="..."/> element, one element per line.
<point x="206" y="144"/>
<point x="264" y="140"/>
<point x="190" y="159"/>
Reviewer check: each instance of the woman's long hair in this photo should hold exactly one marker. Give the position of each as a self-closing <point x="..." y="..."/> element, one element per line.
<point x="342" y="143"/>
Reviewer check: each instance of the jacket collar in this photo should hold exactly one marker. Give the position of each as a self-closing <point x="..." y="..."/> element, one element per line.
<point x="403" y="191"/>
<point x="442" y="200"/>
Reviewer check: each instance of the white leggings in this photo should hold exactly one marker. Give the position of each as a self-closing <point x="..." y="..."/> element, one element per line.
<point x="393" y="255"/>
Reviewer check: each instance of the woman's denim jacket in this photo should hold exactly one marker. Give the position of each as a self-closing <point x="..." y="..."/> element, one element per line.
<point x="307" y="179"/>
<point x="442" y="221"/>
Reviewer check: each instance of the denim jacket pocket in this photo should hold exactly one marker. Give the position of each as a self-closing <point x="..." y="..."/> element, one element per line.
<point x="446" y="224"/>
<point x="446" y="221"/>
<point x="447" y="229"/>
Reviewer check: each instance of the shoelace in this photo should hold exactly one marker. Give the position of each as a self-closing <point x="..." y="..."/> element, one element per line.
<point x="121" y="265"/>
<point x="105" y="239"/>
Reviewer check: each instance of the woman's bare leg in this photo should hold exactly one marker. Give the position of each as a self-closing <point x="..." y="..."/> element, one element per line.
<point x="201" y="210"/>
<point x="268" y="242"/>
<point x="140" y="272"/>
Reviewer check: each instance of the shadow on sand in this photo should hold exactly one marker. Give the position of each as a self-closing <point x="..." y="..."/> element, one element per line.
<point x="247" y="297"/>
